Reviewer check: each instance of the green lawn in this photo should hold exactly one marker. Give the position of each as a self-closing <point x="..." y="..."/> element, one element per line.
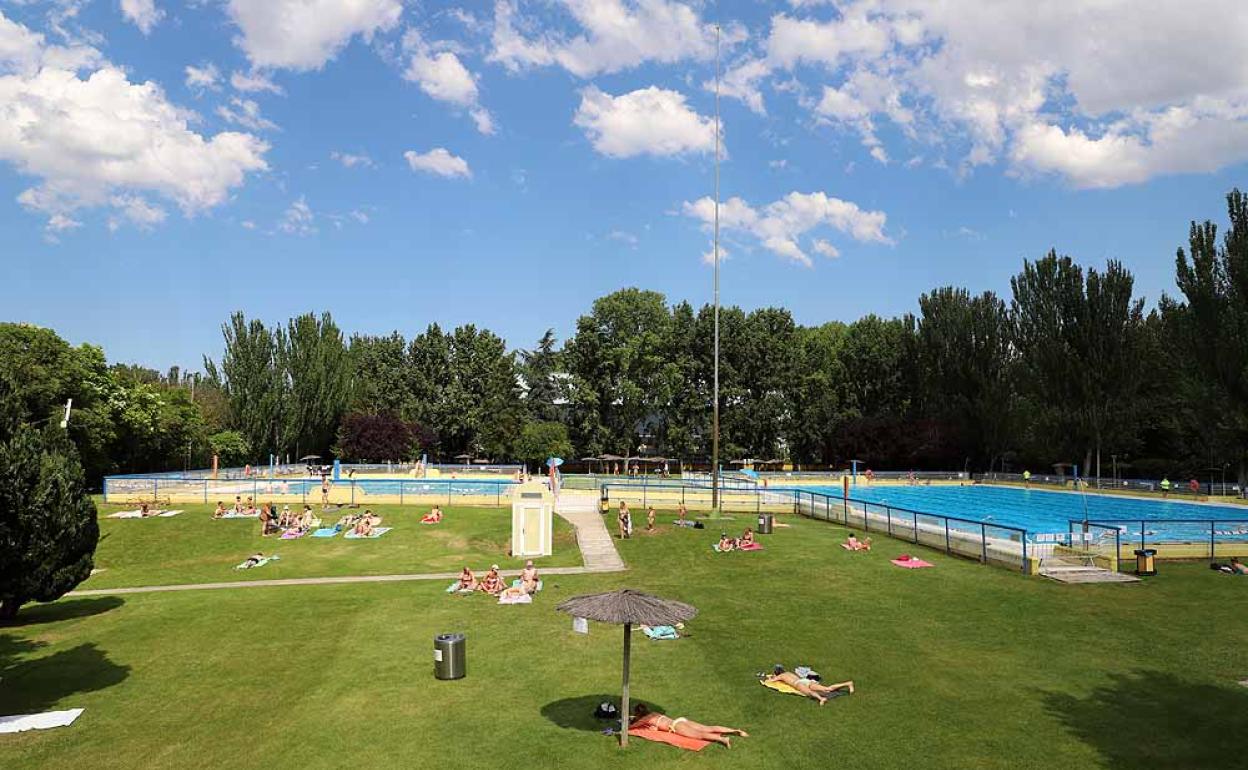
<point x="961" y="666"/>
<point x="192" y="547"/>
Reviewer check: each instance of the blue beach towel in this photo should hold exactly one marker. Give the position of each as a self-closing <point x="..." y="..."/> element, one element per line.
<point x="326" y="532"/>
<point x="660" y="632"/>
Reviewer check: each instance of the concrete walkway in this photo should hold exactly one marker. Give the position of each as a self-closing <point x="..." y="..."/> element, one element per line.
<point x="581" y="511"/>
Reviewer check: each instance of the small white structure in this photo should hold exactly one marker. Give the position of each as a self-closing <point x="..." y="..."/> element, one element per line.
<point x="532" y="520"/>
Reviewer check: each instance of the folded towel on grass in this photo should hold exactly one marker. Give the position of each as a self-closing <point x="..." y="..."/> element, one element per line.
<point x="672" y="739"/>
<point x="378" y="532"/>
<point x="326" y="532"/>
<point x="912" y="563"/>
<point x="24" y="722"/>
<point x="659" y="633"/>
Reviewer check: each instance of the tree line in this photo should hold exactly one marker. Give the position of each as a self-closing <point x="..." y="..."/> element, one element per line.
<point x="1070" y="367"/>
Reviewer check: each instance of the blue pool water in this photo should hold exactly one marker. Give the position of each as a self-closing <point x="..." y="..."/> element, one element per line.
<point x="386" y="487"/>
<point x="1043" y="511"/>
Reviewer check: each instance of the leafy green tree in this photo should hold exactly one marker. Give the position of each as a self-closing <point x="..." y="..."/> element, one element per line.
<point x="429" y="379"/>
<point x="231" y="448"/>
<point x="817" y="394"/>
<point x="483" y="411"/>
<point x="377" y="438"/>
<point x="963" y="358"/>
<point x="379" y="382"/>
<point x="1080" y="343"/>
<point x="316" y="375"/>
<point x="1211" y="326"/>
<point x="252" y="382"/>
<point x="48" y="526"/>
<point x="540" y="440"/>
<point x="539" y="368"/>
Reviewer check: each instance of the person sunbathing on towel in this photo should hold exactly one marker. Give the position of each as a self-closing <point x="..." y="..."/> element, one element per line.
<point x="747" y="537"/>
<point x="432" y="517"/>
<point x="726" y="543"/>
<point x="467" y="581"/>
<point x="1238" y="567"/>
<point x="643" y="717"/>
<point x="492" y="583"/>
<point x="346" y="522"/>
<point x="253" y="560"/>
<point x="852" y="543"/>
<point x="238" y="504"/>
<point x="808" y="687"/>
<point x="364" y="527"/>
<point x="220" y="510"/>
<point x="528" y="578"/>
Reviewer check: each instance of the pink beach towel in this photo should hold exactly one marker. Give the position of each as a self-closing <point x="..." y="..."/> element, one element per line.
<point x="673" y="739"/>
<point x="750" y="547"/>
<point x="912" y="563"/>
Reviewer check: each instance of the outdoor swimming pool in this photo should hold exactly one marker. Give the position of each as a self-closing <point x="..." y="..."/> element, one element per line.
<point x="1041" y="511"/>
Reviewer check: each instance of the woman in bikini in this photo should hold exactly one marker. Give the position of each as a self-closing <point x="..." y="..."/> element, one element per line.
<point x="220" y="510"/>
<point x="467" y="581"/>
<point x="747" y="538"/>
<point x="625" y="520"/>
<point x="726" y="543"/>
<point x="432" y="517"/>
<point x="808" y="687"/>
<point x="650" y="519"/>
<point x="492" y="583"/>
<point x="852" y="543"/>
<point x="643" y="717"/>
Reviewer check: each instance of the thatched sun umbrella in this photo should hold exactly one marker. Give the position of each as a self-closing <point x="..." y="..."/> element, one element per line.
<point x="630" y="608"/>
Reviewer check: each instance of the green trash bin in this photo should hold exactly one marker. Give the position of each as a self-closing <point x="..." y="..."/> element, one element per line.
<point x="449" y="656"/>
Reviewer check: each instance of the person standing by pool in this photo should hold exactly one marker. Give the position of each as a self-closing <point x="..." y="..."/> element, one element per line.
<point x="625" y="521"/>
<point x="1165" y="487"/>
<point x="1027" y="479"/>
<point x="324" y="491"/>
<point x="650" y="519"/>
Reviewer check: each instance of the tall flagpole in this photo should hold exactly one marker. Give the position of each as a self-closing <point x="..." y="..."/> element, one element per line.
<point x="715" y="425"/>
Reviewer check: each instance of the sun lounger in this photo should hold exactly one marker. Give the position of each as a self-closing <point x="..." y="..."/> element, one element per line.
<point x="378" y="532"/>
<point x="671" y="739"/>
<point x="44" y="721"/>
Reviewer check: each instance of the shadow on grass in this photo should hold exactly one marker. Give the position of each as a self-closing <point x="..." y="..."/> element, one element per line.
<point x="65" y="609"/>
<point x="1150" y="718"/>
<point x="35" y="685"/>
<point x="578" y="713"/>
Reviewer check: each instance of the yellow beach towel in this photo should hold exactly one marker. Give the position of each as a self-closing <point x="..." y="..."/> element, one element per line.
<point x="784" y="687"/>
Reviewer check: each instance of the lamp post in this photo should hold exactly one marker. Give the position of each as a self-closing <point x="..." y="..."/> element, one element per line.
<point x="715" y="247"/>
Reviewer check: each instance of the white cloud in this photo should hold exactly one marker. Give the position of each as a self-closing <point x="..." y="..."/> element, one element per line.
<point x="245" y="113"/>
<point x="254" y="81"/>
<point x="1134" y="95"/>
<point x="708" y="258"/>
<point x="649" y="121"/>
<point x="438" y="161"/>
<point x="207" y="77"/>
<point x="614" y="35"/>
<point x="142" y="13"/>
<point x="298" y="219"/>
<point x="624" y="237"/>
<point x="780" y="225"/>
<point x="350" y="160"/>
<point x="135" y="210"/>
<point x="305" y="34"/>
<point x="442" y="76"/>
<point x="96" y="139"/>
<point x="826" y="249"/>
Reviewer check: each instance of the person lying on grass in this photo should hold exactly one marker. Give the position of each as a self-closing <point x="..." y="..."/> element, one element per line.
<point x="346" y="522"/>
<point x="467" y="581"/>
<point x="808" y="687"/>
<point x="747" y="538"/>
<point x="528" y="578"/>
<point x="726" y="543"/>
<point x="364" y="527"/>
<point x="1238" y="567"/>
<point x="145" y="511"/>
<point x="252" y="561"/>
<point x="643" y="717"/>
<point x="492" y="583"/>
<point x="852" y="543"/>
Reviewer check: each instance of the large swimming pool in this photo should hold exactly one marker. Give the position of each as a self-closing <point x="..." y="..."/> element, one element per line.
<point x="1043" y="511"/>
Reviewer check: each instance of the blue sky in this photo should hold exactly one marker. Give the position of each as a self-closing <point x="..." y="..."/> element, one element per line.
<point x="163" y="163"/>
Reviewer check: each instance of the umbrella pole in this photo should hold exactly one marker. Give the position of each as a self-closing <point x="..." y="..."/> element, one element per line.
<point x="628" y="639"/>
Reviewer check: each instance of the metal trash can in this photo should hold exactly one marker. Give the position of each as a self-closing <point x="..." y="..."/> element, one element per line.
<point x="449" y="656"/>
<point x="765" y="523"/>
<point x="1145" y="561"/>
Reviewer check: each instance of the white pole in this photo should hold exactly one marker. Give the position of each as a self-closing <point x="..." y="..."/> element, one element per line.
<point x="715" y="419"/>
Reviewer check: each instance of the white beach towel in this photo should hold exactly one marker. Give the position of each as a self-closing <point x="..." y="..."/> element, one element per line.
<point x="167" y="514"/>
<point x="22" y="723"/>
